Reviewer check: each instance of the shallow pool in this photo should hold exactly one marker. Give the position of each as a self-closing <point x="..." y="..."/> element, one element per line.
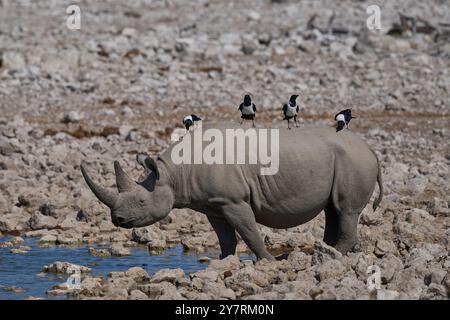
<point x="24" y="271"/>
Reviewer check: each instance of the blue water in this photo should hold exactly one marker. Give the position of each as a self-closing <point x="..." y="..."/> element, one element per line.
<point x="25" y="270"/>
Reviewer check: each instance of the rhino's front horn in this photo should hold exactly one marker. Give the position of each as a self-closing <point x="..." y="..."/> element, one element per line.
<point x="106" y="196"/>
<point x="123" y="181"/>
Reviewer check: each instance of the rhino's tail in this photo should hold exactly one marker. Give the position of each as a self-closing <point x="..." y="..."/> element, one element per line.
<point x="377" y="201"/>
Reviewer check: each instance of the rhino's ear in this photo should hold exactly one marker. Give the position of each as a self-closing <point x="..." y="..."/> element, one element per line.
<point x="150" y="163"/>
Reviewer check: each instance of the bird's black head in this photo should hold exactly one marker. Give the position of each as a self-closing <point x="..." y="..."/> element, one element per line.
<point x="293" y="98"/>
<point x="187" y="123"/>
<point x="247" y="100"/>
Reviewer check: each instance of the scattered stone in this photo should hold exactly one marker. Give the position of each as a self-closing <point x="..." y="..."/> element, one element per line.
<point x="12" y="60"/>
<point x="20" y="250"/>
<point x="7" y="244"/>
<point x="174" y="276"/>
<point x="330" y="269"/>
<point x="138" y="275"/>
<point x="383" y="246"/>
<point x="65" y="268"/>
<point x="39" y="221"/>
<point x="324" y="252"/>
<point x="204" y="259"/>
<point x="47" y="209"/>
<point x="14" y="289"/>
<point x="47" y="240"/>
<point x="72" y="117"/>
<point x="227" y="264"/>
<point x="156" y="246"/>
<point x="91" y="287"/>
<point x="102" y="253"/>
<point x="387" y="294"/>
<point x="434" y="292"/>
<point x="118" y="250"/>
<point x="389" y="265"/>
<point x="137" y="295"/>
<point x="299" y="260"/>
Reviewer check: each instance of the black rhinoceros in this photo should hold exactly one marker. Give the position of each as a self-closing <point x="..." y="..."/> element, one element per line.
<point x="319" y="169"/>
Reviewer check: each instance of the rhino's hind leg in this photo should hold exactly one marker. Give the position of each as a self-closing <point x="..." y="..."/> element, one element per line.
<point x="347" y="232"/>
<point x="226" y="234"/>
<point x="340" y="229"/>
<point x="242" y="218"/>
<point x="351" y="191"/>
<point x="330" y="236"/>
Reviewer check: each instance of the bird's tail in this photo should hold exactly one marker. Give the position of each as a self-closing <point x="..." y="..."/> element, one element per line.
<point x="377" y="201"/>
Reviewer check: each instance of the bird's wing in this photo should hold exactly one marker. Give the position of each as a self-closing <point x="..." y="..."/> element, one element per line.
<point x="195" y="118"/>
<point x="241" y="106"/>
<point x="297" y="108"/>
<point x="285" y="107"/>
<point x="348" y="115"/>
<point x="254" y="107"/>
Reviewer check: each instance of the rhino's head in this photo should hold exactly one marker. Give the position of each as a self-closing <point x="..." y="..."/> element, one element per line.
<point x="134" y="204"/>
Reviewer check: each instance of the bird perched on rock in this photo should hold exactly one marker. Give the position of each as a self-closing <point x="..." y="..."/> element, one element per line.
<point x="343" y="119"/>
<point x="290" y="110"/>
<point x="247" y="109"/>
<point x="188" y="121"/>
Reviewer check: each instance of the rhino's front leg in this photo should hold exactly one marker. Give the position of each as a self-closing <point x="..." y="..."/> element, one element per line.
<point x="242" y="218"/>
<point x="226" y="234"/>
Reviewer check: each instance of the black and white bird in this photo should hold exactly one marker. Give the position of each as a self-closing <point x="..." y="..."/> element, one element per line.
<point x="343" y="119"/>
<point x="290" y="110"/>
<point x="247" y="109"/>
<point x="188" y="121"/>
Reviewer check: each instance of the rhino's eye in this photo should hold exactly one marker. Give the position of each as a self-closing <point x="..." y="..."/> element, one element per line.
<point x="142" y="201"/>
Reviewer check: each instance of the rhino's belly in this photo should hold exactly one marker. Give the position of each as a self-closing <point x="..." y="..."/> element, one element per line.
<point x="289" y="213"/>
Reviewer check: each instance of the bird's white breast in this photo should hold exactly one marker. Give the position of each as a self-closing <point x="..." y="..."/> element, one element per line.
<point x="291" y="111"/>
<point x="187" y="118"/>
<point x="340" y="117"/>
<point x="247" y="110"/>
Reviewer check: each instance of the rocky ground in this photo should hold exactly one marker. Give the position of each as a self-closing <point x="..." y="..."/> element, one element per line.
<point x="122" y="83"/>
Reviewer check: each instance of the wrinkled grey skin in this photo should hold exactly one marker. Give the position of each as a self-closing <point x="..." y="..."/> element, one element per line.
<point x="319" y="170"/>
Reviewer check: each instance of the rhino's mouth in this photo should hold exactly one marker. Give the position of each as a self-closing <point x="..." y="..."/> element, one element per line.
<point x="129" y="223"/>
<point x="123" y="222"/>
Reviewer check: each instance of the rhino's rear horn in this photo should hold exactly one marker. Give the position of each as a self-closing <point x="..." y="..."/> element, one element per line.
<point x="106" y="196"/>
<point x="123" y="181"/>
